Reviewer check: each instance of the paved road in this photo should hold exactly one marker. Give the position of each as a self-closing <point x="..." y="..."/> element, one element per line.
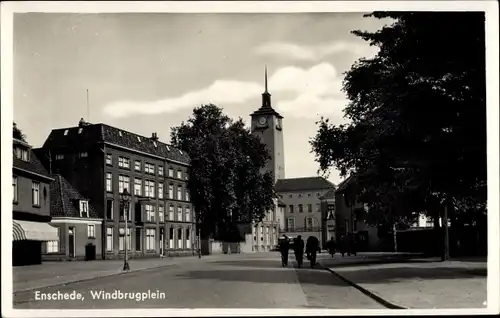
<point x="235" y="282"/>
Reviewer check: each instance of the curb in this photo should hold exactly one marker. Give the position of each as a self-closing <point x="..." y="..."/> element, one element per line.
<point x="365" y="291"/>
<point x="14" y="293"/>
<point x="88" y="279"/>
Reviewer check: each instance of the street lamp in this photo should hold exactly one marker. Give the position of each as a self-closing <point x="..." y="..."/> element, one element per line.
<point x="125" y="197"/>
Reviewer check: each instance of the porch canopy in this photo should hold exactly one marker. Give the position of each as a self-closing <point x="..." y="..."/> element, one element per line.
<point x="34" y="231"/>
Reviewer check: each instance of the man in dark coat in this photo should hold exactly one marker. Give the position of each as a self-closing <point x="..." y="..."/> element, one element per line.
<point x="331" y="246"/>
<point x="284" y="246"/>
<point x="298" y="247"/>
<point x="342" y="245"/>
<point x="312" y="247"/>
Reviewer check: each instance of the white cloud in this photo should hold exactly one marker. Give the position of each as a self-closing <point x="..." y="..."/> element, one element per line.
<point x="318" y="91"/>
<point x="314" y="52"/>
<point x="310" y="93"/>
<point x="221" y="91"/>
<point x="313" y="106"/>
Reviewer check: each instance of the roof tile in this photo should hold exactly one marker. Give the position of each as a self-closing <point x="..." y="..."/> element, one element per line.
<point x="303" y="184"/>
<point x="33" y="165"/>
<point x="64" y="199"/>
<point x="95" y="133"/>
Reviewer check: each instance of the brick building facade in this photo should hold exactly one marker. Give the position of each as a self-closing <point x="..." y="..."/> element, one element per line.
<point x="101" y="161"/>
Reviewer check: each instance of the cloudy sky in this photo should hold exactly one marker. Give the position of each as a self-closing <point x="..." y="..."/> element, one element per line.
<point x="146" y="72"/>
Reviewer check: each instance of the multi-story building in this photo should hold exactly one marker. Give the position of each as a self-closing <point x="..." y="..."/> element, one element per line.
<point x="350" y="216"/>
<point x="101" y="162"/>
<point x="30" y="206"/>
<point x="303" y="212"/>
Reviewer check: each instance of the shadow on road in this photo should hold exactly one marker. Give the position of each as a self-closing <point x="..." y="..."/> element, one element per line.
<point x="345" y="262"/>
<point x="390" y="275"/>
<point x="316" y="276"/>
<point x="253" y="263"/>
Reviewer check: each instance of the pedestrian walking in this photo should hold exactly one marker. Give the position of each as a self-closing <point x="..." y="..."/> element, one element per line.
<point x="284" y="246"/>
<point x="331" y="246"/>
<point x="298" y="247"/>
<point x="342" y="245"/>
<point x="312" y="247"/>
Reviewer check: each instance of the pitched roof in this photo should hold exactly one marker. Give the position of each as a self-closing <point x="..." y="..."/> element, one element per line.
<point x="33" y="165"/>
<point x="64" y="199"/>
<point x="343" y="185"/>
<point x="303" y="184"/>
<point x="89" y="134"/>
<point x="329" y="195"/>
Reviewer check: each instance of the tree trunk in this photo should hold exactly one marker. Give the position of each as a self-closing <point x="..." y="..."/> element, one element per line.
<point x="394" y="233"/>
<point x="444" y="222"/>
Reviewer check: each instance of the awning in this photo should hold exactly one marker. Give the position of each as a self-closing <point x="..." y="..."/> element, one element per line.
<point x="35" y="231"/>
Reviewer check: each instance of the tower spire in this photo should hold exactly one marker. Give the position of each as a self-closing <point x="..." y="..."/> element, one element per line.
<point x="266" y="97"/>
<point x="266" y="78"/>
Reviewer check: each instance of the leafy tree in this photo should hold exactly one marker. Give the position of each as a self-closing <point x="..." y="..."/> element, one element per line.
<point x="417" y="115"/>
<point x="225" y="183"/>
<point x="18" y="134"/>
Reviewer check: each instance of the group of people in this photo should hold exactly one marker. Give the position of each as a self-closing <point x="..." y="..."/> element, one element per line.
<point x="346" y="245"/>
<point x="312" y="247"/>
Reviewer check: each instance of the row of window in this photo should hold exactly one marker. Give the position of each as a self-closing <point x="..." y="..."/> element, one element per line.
<point x="301" y="208"/>
<point x="82" y="154"/>
<point x="149" y="168"/>
<point x="179" y="239"/>
<point x="300" y="195"/>
<point x="151" y="213"/>
<point x="147" y="188"/>
<point x="267" y="239"/>
<point x="310" y="223"/>
<point x="35" y="192"/>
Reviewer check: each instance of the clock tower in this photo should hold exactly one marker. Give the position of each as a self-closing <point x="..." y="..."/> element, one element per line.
<point x="267" y="124"/>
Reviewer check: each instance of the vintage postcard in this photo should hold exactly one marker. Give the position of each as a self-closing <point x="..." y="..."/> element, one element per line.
<point x="249" y="158"/>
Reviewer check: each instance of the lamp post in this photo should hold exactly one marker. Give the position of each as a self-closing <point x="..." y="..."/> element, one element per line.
<point x="125" y="197"/>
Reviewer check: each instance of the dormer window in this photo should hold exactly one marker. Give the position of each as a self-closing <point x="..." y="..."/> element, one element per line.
<point x="180" y="151"/>
<point x="84" y="208"/>
<point x="80" y="130"/>
<point x="120" y="133"/>
<point x="154" y="143"/>
<point x="23" y="154"/>
<point x="139" y="138"/>
<point x="168" y="148"/>
<point x="66" y="132"/>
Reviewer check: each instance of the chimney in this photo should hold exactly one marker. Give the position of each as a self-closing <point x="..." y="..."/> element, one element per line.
<point x="154" y="137"/>
<point x="81" y="123"/>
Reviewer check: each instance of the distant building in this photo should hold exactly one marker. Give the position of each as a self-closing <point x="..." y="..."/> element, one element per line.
<point x="303" y="213"/>
<point x="328" y="214"/>
<point x="79" y="225"/>
<point x="30" y="206"/>
<point x="350" y="218"/>
<point x="100" y="162"/>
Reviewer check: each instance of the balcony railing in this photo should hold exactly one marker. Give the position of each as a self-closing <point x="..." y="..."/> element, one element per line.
<point x="301" y="229"/>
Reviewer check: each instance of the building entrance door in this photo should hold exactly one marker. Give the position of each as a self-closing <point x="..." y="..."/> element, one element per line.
<point x="71" y="242"/>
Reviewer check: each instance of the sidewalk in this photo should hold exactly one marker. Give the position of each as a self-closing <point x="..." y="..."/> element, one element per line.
<point x="60" y="273"/>
<point x="416" y="283"/>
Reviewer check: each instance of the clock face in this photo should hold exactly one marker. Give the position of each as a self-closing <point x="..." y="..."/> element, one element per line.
<point x="262" y="120"/>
